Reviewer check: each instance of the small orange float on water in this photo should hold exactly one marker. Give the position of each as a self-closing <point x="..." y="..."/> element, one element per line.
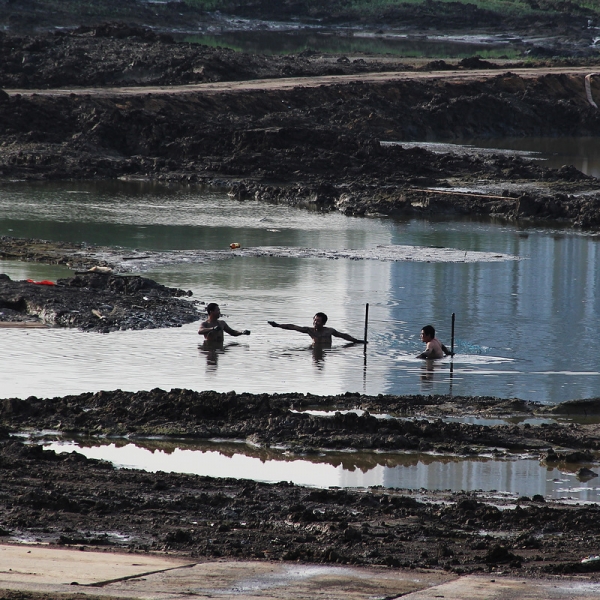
<point x="234" y="246"/>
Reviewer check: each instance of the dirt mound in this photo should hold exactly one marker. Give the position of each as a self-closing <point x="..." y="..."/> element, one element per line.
<point x="268" y="420"/>
<point x="320" y="146"/>
<point x="95" y="302"/>
<point x="67" y="499"/>
<point x="119" y="54"/>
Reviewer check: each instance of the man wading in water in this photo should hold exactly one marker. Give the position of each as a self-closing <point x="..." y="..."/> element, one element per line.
<point x="318" y="332"/>
<point x="435" y="348"/>
<point x="212" y="329"/>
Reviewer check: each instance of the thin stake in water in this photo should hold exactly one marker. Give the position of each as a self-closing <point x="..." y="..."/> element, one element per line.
<point x="452" y="352"/>
<point x="365" y="348"/>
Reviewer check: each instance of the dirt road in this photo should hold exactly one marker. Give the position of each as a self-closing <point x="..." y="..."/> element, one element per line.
<point x="290" y="83"/>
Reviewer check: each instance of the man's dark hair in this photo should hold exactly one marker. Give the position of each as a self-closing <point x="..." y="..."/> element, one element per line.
<point x="323" y="317"/>
<point x="210" y="307"/>
<point x="429" y="330"/>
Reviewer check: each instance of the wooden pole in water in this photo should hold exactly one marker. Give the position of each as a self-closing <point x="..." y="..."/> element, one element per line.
<point x="366" y="323"/>
<point x="452" y="335"/>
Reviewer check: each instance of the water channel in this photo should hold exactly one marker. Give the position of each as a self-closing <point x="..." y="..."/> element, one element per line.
<point x="521" y="325"/>
<point x="515" y="475"/>
<point x="525" y="325"/>
<point x="275" y="38"/>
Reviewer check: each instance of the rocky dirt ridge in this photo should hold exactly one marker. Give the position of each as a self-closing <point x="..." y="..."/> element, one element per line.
<point x="277" y="419"/>
<point x="67" y="499"/>
<point x="95" y="302"/>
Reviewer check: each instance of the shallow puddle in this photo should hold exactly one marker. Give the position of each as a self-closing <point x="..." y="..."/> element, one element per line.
<point x="517" y="474"/>
<point x="281" y="38"/>
<point x="554" y="152"/>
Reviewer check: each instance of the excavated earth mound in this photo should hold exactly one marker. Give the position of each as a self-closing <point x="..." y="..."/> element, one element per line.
<point x="99" y="302"/>
<point x="278" y="419"/>
<point x="317" y="145"/>
<point x="67" y="499"/>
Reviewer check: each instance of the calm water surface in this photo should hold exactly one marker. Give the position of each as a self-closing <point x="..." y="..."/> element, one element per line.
<point x="346" y="41"/>
<point x="524" y="328"/>
<point x="519" y="475"/>
<point x="581" y="152"/>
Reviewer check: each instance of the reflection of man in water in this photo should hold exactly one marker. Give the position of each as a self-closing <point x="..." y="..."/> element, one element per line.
<point x="434" y="348"/>
<point x="212" y="329"/>
<point x="212" y="351"/>
<point x="318" y="332"/>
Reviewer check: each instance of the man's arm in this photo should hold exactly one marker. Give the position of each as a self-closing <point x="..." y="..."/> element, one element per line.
<point x="446" y="351"/>
<point x="234" y="332"/>
<point x="290" y="327"/>
<point x="428" y="351"/>
<point x="205" y="328"/>
<point x="347" y="337"/>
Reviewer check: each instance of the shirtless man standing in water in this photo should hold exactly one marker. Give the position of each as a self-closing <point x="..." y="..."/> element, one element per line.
<point x="212" y="329"/>
<point x="318" y="332"/>
<point x="435" y="348"/>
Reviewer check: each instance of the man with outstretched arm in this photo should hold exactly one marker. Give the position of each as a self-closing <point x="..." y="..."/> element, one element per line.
<point x="434" y="348"/>
<point x="318" y="332"/>
<point x="212" y="329"/>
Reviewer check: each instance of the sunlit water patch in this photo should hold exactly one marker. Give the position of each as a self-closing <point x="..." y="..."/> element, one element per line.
<point x="521" y="325"/>
<point x="281" y="38"/>
<point x="521" y="475"/>
<point x="554" y="152"/>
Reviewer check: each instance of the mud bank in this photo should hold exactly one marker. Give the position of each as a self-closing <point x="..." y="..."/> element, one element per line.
<point x="279" y="420"/>
<point x="116" y="54"/>
<point x="554" y="28"/>
<point x="67" y="499"/>
<point x="318" y="145"/>
<point x="135" y="261"/>
<point x="95" y="302"/>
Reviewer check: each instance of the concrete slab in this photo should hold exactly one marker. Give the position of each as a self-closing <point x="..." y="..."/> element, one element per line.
<point x="56" y="566"/>
<point x="52" y="570"/>
<point x="102" y="574"/>
<point x="278" y="581"/>
<point x="486" y="588"/>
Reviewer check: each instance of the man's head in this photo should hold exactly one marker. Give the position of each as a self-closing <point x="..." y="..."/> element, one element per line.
<point x="427" y="333"/>
<point x="319" y="320"/>
<point x="212" y="308"/>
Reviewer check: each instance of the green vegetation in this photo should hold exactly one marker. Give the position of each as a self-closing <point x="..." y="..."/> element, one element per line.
<point x="209" y="4"/>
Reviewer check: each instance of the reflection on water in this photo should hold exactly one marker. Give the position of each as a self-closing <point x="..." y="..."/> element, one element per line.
<point x="581" y="152"/>
<point x="519" y="476"/>
<point x="213" y="350"/>
<point x="520" y="325"/>
<point x="348" y="42"/>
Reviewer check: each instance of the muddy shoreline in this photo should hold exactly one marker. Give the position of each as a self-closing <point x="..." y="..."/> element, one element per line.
<point x="67" y="499"/>
<point x="311" y="145"/>
<point x="95" y="301"/>
<point x="318" y="146"/>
